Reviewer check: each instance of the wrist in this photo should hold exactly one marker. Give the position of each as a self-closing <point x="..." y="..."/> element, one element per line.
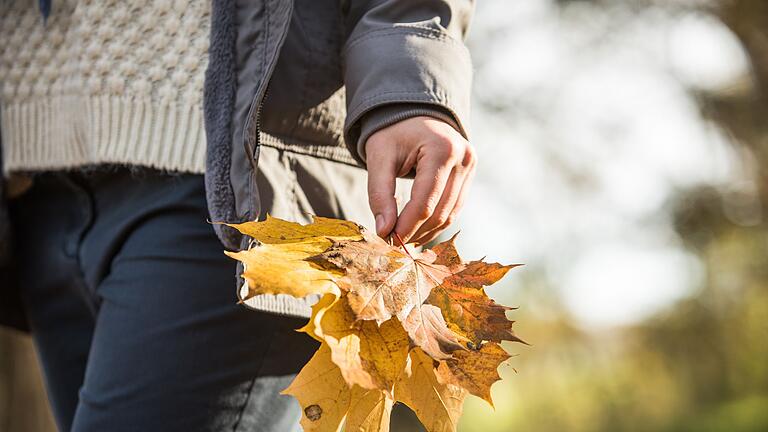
<point x="387" y="115"/>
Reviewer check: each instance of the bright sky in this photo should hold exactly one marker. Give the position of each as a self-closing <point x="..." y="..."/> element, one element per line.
<point x="599" y="133"/>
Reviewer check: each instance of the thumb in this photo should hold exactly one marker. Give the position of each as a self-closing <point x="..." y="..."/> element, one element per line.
<point x="382" y="172"/>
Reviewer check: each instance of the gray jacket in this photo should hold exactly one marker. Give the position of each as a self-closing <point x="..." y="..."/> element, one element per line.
<point x="314" y="77"/>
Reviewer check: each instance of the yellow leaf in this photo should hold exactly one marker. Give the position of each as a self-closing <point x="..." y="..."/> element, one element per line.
<point x="369" y="355"/>
<point x="437" y="405"/>
<point x="282" y="269"/>
<point x="326" y="400"/>
<point x="369" y="411"/>
<point x="312" y="327"/>
<point x="322" y="393"/>
<point x="384" y="351"/>
<point x="277" y="231"/>
<point x="278" y="264"/>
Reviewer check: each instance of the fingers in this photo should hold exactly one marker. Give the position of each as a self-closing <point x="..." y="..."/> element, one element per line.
<point x="432" y="173"/>
<point x="451" y="202"/>
<point x="382" y="172"/>
<point x="445" y="206"/>
<point x="429" y="236"/>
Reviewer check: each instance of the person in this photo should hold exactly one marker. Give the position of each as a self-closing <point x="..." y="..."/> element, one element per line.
<point x="127" y="125"/>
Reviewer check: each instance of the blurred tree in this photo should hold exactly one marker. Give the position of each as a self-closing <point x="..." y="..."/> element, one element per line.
<point x="703" y="364"/>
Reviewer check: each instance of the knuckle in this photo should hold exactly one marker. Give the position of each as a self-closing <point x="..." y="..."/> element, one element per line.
<point x="470" y="157"/>
<point x="432" y="202"/>
<point x="379" y="140"/>
<point x="442" y="220"/>
<point x="471" y="154"/>
<point x="424" y="212"/>
<point x="443" y="154"/>
<point x="448" y="220"/>
<point x="440" y="139"/>
<point x="443" y="147"/>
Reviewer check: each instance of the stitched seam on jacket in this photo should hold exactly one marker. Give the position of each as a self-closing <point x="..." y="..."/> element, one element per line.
<point x="380" y="98"/>
<point x="290" y="140"/>
<point x="425" y="32"/>
<point x="379" y="94"/>
<point x="312" y="152"/>
<point x="334" y="153"/>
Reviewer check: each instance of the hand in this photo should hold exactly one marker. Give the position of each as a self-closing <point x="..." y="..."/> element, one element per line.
<point x="445" y="165"/>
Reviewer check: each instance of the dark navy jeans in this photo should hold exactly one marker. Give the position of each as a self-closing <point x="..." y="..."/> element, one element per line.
<point x="133" y="311"/>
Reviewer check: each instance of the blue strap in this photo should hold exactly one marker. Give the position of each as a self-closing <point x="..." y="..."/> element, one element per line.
<point x="45" y="8"/>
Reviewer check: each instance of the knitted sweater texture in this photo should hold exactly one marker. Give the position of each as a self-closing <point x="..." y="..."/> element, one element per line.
<point x="103" y="81"/>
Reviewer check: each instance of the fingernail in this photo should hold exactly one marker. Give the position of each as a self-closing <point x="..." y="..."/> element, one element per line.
<point x="379" y="223"/>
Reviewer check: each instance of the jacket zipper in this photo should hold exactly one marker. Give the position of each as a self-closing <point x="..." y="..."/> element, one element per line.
<point x="257" y="124"/>
<point x="252" y="150"/>
<point x="254" y="115"/>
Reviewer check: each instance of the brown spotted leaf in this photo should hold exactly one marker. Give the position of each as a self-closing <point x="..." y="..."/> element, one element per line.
<point x="326" y="400"/>
<point x="384" y="281"/>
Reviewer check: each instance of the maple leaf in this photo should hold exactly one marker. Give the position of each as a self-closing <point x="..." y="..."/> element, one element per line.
<point x="382" y="281"/>
<point x="474" y="370"/>
<point x="273" y="230"/>
<point x="369" y="355"/>
<point x="278" y="265"/>
<point x="437" y="404"/>
<point x="466" y="307"/>
<point x="326" y="400"/>
<point x="394" y="324"/>
<point x="312" y="327"/>
<point x="369" y="411"/>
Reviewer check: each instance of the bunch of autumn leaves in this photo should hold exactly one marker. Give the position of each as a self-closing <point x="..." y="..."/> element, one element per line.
<point x="394" y="324"/>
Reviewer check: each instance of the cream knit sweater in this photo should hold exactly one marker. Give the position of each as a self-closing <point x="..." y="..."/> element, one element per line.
<point x="103" y="81"/>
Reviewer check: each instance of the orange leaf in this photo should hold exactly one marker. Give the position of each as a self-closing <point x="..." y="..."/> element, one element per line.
<point x="465" y="305"/>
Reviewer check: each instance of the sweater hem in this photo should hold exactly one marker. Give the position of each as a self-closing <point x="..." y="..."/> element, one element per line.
<point x="280" y="304"/>
<point x="74" y="131"/>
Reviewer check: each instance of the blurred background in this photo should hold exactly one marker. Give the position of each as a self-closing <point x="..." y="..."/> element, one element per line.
<point x="623" y="155"/>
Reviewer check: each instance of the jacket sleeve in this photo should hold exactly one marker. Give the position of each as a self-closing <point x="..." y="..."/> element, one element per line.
<point x="408" y="54"/>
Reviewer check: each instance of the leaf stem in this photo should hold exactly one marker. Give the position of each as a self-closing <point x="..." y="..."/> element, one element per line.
<point x="402" y="243"/>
